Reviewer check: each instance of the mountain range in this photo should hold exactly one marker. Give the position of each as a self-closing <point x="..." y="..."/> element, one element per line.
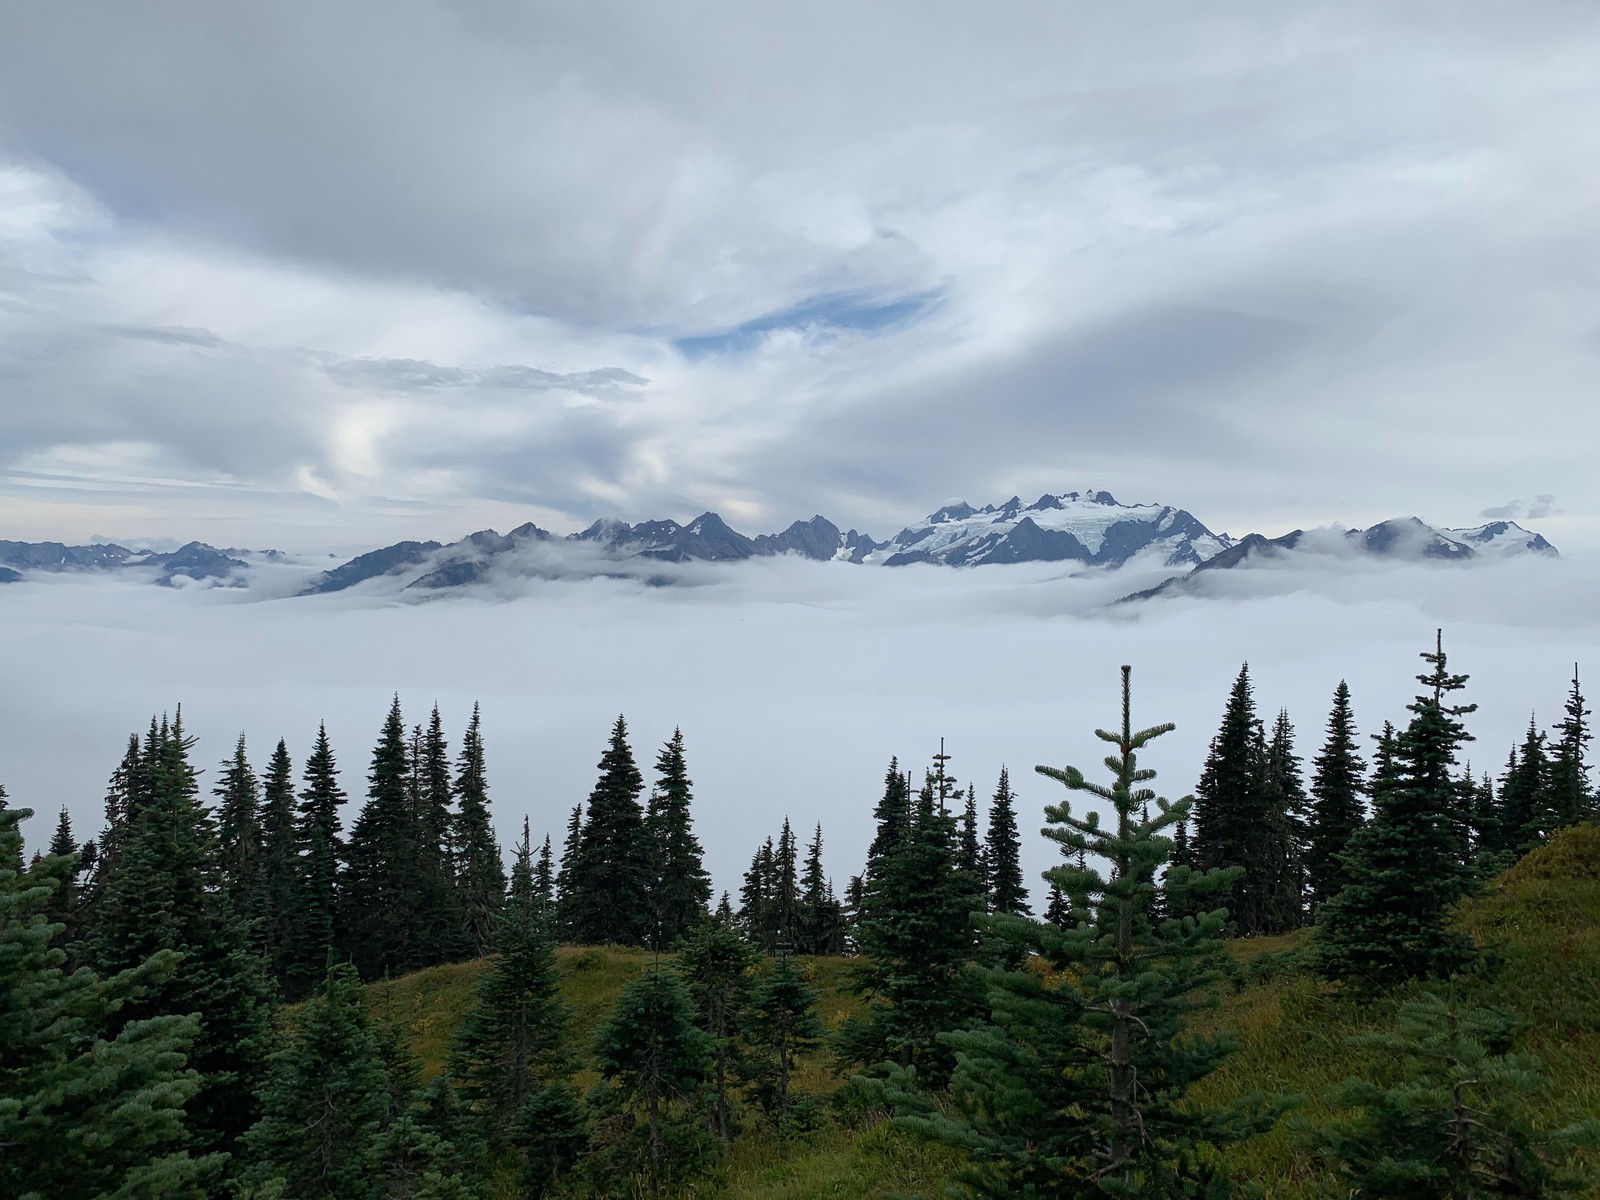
<point x="1090" y="528"/>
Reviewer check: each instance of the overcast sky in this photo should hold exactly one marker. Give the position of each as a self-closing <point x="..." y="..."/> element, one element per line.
<point x="329" y="275"/>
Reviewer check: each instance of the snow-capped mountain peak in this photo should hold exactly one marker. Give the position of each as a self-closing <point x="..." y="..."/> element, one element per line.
<point x="1091" y="527"/>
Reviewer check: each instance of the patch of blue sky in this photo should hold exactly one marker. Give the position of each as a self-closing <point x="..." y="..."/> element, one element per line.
<point x="854" y="312"/>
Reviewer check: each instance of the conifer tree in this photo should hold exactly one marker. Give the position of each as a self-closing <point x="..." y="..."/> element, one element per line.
<point x="64" y="901"/>
<point x="1403" y="867"/>
<point x="511" y="1052"/>
<point x="1003" y="852"/>
<point x="784" y="900"/>
<point x="781" y="1026"/>
<point x="1056" y="910"/>
<point x="379" y="919"/>
<point x="544" y="882"/>
<point x="280" y="867"/>
<point x="90" y="1105"/>
<point x="918" y="941"/>
<point x="117" y="801"/>
<point x="821" y="925"/>
<point x="319" y="852"/>
<point x="653" y="1058"/>
<point x="566" y="875"/>
<point x="442" y="933"/>
<point x="1486" y="833"/>
<point x="1289" y="809"/>
<point x="716" y="963"/>
<point x="1526" y="815"/>
<point x="1082" y="1087"/>
<point x="162" y="897"/>
<point x="1244" y="817"/>
<point x="1572" y="798"/>
<point x="969" y="856"/>
<point x="892" y="818"/>
<point x="682" y="888"/>
<point x="239" y="834"/>
<point x="1230" y="808"/>
<point x="1337" y="783"/>
<point x="756" y="911"/>
<point x="327" y="1102"/>
<point x="1445" y="1115"/>
<point x="613" y="869"/>
<point x="480" y="873"/>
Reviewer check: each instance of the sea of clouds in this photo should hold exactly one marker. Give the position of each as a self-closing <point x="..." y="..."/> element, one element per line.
<point x="793" y="681"/>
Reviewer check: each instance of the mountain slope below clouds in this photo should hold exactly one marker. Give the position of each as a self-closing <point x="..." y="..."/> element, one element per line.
<point x="1402" y="539"/>
<point x="1090" y="529"/>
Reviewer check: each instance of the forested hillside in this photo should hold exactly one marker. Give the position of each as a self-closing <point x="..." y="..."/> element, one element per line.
<point x="1374" y="979"/>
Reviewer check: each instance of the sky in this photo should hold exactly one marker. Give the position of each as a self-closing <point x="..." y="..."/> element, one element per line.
<point x="793" y="681"/>
<point x="324" y="277"/>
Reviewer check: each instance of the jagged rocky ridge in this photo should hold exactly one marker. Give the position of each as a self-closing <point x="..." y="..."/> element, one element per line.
<point x="193" y="561"/>
<point x="1405" y="539"/>
<point x="1089" y="528"/>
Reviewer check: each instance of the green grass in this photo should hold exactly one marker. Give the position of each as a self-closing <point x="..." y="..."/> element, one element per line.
<point x="1540" y="926"/>
<point x="1539" y="923"/>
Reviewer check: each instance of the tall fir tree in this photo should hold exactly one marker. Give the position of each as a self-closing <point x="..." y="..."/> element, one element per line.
<point x="280" y="865"/>
<point x="1404" y="870"/>
<point x="1573" y="798"/>
<point x="1083" y="1087"/>
<point x="544" y="884"/>
<point x="757" y="913"/>
<point x="327" y="1102"/>
<point x="682" y="887"/>
<point x="613" y="871"/>
<point x="511" y="1051"/>
<point x="163" y="897"/>
<point x="320" y="854"/>
<point x="892" y="819"/>
<point x="821" y="923"/>
<point x="1003" y="852"/>
<point x="781" y="1026"/>
<point x="1527" y="808"/>
<point x="1241" y="818"/>
<point x="379" y="918"/>
<point x="480" y="872"/>
<point x="239" y="834"/>
<point x="969" y="855"/>
<point x="653" y="1059"/>
<point x="442" y="932"/>
<point x="567" y="876"/>
<point x="785" y="896"/>
<point x="918" y="943"/>
<point x="66" y="900"/>
<point x="1288" y="810"/>
<point x="1337" y="783"/>
<point x="90" y="1105"/>
<point x="716" y="965"/>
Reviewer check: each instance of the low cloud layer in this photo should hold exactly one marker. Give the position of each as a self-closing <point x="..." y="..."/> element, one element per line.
<point x="325" y="278"/>
<point x="792" y="681"/>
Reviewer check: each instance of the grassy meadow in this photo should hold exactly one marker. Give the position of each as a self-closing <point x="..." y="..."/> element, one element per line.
<point x="1539" y="924"/>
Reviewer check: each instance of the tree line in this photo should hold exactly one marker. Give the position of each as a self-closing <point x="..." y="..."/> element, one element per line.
<point x="144" y="971"/>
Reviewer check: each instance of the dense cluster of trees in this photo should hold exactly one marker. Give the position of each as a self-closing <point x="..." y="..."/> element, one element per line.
<point x="146" y="1053"/>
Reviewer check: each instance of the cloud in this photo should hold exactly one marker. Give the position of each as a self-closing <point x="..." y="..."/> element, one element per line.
<point x="413" y="375"/>
<point x="848" y="262"/>
<point x="793" y="681"/>
<point x="1541" y="506"/>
